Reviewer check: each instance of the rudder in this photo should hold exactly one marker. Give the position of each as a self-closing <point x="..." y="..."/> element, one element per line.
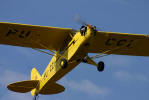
<point x="34" y="76"/>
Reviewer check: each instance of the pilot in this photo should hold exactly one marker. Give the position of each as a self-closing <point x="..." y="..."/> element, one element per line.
<point x="83" y="30"/>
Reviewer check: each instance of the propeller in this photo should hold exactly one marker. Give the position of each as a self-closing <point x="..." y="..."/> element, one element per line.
<point x="84" y="23"/>
<point x="79" y="21"/>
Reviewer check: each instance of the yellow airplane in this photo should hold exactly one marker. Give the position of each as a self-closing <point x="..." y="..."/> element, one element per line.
<point x="69" y="48"/>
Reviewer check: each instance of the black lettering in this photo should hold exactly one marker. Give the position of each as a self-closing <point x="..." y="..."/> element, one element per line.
<point x="46" y="74"/>
<point x="11" y="31"/>
<point x="121" y="42"/>
<point x="116" y="42"/>
<point x="24" y="34"/>
<point x="130" y="43"/>
<point x="50" y="68"/>
<point x="28" y="33"/>
<point x="110" y="42"/>
<point x="21" y="35"/>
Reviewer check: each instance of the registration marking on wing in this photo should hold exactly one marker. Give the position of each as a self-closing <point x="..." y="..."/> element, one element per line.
<point x="119" y="42"/>
<point x="20" y="33"/>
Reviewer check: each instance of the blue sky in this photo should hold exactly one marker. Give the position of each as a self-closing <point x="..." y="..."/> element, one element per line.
<point x="124" y="78"/>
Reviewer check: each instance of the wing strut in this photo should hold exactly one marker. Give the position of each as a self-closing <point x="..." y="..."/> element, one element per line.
<point x="44" y="46"/>
<point x="105" y="52"/>
<point x="38" y="42"/>
<point x="100" y="64"/>
<point x="43" y="51"/>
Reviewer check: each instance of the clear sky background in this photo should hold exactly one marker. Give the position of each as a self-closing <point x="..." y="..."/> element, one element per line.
<point x="124" y="78"/>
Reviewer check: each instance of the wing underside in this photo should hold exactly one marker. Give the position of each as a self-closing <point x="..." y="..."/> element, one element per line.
<point x="120" y="43"/>
<point x="32" y="36"/>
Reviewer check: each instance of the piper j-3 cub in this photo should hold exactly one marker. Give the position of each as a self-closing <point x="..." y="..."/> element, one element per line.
<point x="69" y="48"/>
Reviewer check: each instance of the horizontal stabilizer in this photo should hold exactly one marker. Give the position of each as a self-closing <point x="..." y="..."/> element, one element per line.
<point x="23" y="86"/>
<point x="53" y="88"/>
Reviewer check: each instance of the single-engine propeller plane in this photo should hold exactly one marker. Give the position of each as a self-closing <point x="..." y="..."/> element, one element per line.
<point x="69" y="48"/>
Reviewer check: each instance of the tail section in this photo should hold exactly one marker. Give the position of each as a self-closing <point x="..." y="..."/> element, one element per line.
<point x="34" y="76"/>
<point x="33" y="86"/>
<point x="28" y="85"/>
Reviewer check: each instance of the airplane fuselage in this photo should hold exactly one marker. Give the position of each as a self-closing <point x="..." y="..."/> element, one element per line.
<point x="74" y="52"/>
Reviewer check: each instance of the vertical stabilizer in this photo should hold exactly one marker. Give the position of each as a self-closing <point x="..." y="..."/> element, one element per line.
<point x="34" y="76"/>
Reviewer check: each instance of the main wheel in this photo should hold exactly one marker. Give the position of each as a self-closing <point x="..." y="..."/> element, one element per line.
<point x="63" y="63"/>
<point x="100" y="67"/>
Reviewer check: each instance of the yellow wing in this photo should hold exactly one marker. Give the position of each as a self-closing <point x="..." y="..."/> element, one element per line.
<point x="120" y="43"/>
<point x="32" y="36"/>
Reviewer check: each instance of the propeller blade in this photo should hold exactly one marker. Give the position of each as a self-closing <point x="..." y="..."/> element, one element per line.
<point x="76" y="18"/>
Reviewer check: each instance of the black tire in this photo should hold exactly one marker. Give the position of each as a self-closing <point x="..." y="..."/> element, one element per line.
<point x="63" y="63"/>
<point x="100" y="67"/>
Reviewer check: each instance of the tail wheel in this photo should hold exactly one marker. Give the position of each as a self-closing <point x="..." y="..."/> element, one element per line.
<point x="63" y="63"/>
<point x="100" y="67"/>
